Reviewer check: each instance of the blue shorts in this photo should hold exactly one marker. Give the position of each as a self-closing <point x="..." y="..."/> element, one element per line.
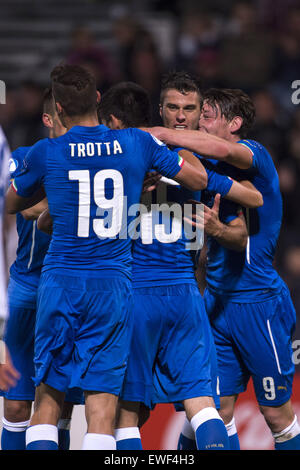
<point x="254" y="340"/>
<point x="171" y="346"/>
<point x="82" y="332"/>
<point x="19" y="337"/>
<point x="214" y="380"/>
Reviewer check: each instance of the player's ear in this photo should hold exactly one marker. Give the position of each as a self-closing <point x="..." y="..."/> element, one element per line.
<point x="59" y="108"/>
<point x="236" y="123"/>
<point x="115" y="123"/>
<point x="160" y="110"/>
<point x="98" y="97"/>
<point x="47" y="120"/>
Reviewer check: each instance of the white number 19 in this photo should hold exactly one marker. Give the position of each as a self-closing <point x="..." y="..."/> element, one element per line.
<point x="115" y="204"/>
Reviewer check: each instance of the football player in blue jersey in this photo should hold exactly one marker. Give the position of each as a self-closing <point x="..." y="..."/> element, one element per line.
<point x="8" y="374"/>
<point x="22" y="294"/>
<point x="92" y="177"/>
<point x="249" y="305"/>
<point x="170" y="359"/>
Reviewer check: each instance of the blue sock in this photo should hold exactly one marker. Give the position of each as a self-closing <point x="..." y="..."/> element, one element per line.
<point x="289" y="438"/>
<point x="210" y="430"/>
<point x="128" y="439"/>
<point x="42" y="445"/>
<point x="13" y="435"/>
<point x="13" y="440"/>
<point x="234" y="443"/>
<point x="63" y="439"/>
<point x="184" y="443"/>
<point x="42" y="437"/>
<point x="64" y="434"/>
<point x="187" y="437"/>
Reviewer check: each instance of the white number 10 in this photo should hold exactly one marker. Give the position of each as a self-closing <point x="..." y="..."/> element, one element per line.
<point x="115" y="204"/>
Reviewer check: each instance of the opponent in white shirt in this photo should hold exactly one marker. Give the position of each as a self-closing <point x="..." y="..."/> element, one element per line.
<point x="8" y="374"/>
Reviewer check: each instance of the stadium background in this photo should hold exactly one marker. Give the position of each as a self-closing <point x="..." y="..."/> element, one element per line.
<point x="252" y="45"/>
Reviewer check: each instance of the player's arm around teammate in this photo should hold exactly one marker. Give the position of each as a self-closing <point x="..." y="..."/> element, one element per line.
<point x="207" y="145"/>
<point x="35" y="211"/>
<point x="224" y="138"/>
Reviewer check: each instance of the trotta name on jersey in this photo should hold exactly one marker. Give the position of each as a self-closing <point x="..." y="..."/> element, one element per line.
<point x="91" y="149"/>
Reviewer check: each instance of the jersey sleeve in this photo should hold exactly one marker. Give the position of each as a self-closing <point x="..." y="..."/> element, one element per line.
<point x="262" y="162"/>
<point x="161" y="158"/>
<point x="229" y="211"/>
<point x="16" y="161"/>
<point x="29" y="177"/>
<point x="216" y="182"/>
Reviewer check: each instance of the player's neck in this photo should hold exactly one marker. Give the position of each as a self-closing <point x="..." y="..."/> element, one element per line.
<point x="234" y="138"/>
<point x="89" y="120"/>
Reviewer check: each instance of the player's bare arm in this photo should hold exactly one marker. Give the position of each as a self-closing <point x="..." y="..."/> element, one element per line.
<point x="34" y="212"/>
<point x="192" y="174"/>
<point x="16" y="203"/>
<point x="191" y="177"/>
<point x="206" y="145"/>
<point x="193" y="160"/>
<point x="45" y="222"/>
<point x="245" y="194"/>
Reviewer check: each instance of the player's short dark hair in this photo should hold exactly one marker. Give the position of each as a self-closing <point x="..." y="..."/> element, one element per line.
<point x="74" y="87"/>
<point x="231" y="103"/>
<point x="180" y="81"/>
<point x="48" y="102"/>
<point x="128" y="102"/>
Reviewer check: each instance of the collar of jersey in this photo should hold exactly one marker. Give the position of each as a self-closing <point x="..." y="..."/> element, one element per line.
<point x="89" y="129"/>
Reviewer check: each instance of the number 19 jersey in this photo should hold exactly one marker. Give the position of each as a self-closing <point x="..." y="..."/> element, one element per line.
<point x="92" y="177"/>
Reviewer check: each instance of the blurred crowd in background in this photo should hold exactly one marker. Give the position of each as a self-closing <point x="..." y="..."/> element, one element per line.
<point x="253" y="45"/>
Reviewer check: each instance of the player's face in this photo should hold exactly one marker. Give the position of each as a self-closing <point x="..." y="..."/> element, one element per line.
<point x="180" y="111"/>
<point x="213" y="123"/>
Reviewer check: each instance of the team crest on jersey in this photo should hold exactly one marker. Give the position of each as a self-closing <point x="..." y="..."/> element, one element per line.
<point x="12" y="165"/>
<point x="24" y="167"/>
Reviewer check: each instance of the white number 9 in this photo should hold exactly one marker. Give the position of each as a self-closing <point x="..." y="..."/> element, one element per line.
<point x="269" y="388"/>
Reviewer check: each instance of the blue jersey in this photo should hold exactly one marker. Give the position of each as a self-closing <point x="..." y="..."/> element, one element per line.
<point x="32" y="243"/>
<point x="162" y="254"/>
<point x="93" y="178"/>
<point x="242" y="274"/>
